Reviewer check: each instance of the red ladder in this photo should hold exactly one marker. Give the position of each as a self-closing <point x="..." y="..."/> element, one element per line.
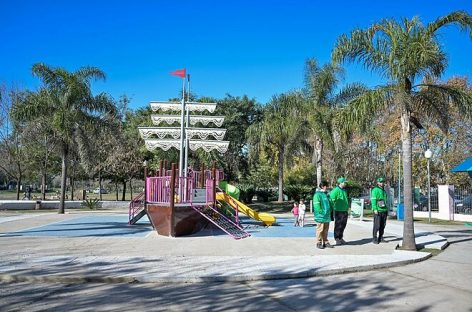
<point x="136" y="209"/>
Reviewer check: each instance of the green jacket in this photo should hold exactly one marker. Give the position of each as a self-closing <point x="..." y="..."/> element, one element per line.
<point x="321" y="207"/>
<point x="338" y="198"/>
<point x="376" y="197"/>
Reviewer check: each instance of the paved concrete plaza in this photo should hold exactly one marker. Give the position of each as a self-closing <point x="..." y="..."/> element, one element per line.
<point x="115" y="268"/>
<point x="101" y="246"/>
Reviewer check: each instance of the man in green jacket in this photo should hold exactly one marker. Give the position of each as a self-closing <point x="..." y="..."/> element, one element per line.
<point x="338" y="198"/>
<point x="322" y="213"/>
<point x="378" y="199"/>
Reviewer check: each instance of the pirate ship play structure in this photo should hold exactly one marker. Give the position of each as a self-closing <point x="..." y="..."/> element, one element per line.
<point x="181" y="201"/>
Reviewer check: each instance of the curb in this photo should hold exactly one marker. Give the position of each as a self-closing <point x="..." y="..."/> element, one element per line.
<point x="13" y="278"/>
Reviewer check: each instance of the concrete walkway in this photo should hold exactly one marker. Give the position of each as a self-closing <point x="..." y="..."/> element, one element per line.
<point x="26" y="253"/>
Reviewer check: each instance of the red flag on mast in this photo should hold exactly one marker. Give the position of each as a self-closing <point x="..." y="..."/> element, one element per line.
<point x="179" y="72"/>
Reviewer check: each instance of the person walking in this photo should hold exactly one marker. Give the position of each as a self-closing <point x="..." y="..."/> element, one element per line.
<point x="301" y="213"/>
<point x="295" y="213"/>
<point x="322" y="213"/>
<point x="338" y="198"/>
<point x="26" y="193"/>
<point x="378" y="201"/>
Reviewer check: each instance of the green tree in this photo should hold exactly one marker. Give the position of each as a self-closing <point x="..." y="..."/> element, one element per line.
<point x="409" y="56"/>
<point x="40" y="143"/>
<point x="280" y="129"/>
<point x="69" y="105"/>
<point x="240" y="113"/>
<point x="39" y="139"/>
<point x="12" y="149"/>
<point x="125" y="162"/>
<point x="324" y="100"/>
<point x="453" y="147"/>
<point x="260" y="180"/>
<point x="299" y="179"/>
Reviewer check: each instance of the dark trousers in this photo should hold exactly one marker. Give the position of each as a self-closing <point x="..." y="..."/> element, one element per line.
<point x="340" y="221"/>
<point x="380" y="220"/>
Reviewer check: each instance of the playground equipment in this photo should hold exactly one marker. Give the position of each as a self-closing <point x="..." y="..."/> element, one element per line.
<point x="195" y="201"/>
<point x="230" y="195"/>
<point x="179" y="206"/>
<point x="180" y="202"/>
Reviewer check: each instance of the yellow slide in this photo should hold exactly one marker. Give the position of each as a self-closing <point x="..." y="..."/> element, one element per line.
<point x="266" y="218"/>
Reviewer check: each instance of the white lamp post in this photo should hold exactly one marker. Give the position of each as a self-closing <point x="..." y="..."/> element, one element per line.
<point x="427" y="155"/>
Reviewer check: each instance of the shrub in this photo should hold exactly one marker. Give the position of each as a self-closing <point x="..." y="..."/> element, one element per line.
<point x="354" y="189"/>
<point x="266" y="195"/>
<point x="247" y="192"/>
<point x="298" y="191"/>
<point x="91" y="204"/>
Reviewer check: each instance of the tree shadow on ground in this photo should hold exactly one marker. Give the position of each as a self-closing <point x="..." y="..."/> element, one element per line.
<point x="456" y="236"/>
<point x="335" y="293"/>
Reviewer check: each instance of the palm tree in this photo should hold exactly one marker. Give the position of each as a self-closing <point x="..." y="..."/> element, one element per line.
<point x="324" y="100"/>
<point x="280" y="129"/>
<point x="67" y="102"/>
<point x="409" y="56"/>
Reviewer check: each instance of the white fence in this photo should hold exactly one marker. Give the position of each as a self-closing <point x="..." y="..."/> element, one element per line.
<point x="454" y="205"/>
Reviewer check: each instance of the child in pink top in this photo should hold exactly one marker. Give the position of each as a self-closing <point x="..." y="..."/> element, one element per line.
<point x="295" y="213"/>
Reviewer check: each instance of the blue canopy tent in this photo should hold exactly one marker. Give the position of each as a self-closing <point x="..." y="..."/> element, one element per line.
<point x="465" y="166"/>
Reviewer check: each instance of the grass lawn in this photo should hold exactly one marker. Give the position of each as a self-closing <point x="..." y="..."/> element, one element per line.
<point x="11" y="195"/>
<point x="276" y="207"/>
<point x="54" y="210"/>
<point x="433" y="252"/>
<point x="439" y="222"/>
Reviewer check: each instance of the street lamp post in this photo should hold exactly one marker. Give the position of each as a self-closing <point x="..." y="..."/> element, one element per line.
<point x="427" y="155"/>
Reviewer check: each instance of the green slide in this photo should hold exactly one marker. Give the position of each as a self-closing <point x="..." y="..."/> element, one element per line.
<point x="233" y="201"/>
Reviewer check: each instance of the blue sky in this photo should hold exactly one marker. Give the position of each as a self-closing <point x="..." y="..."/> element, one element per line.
<point x="240" y="47"/>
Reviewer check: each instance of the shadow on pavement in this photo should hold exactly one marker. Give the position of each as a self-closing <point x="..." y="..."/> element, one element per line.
<point x="339" y="293"/>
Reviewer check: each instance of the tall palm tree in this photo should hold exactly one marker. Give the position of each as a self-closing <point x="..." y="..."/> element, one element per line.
<point x="410" y="57"/>
<point x="279" y="129"/>
<point x="324" y="100"/>
<point x="70" y="107"/>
